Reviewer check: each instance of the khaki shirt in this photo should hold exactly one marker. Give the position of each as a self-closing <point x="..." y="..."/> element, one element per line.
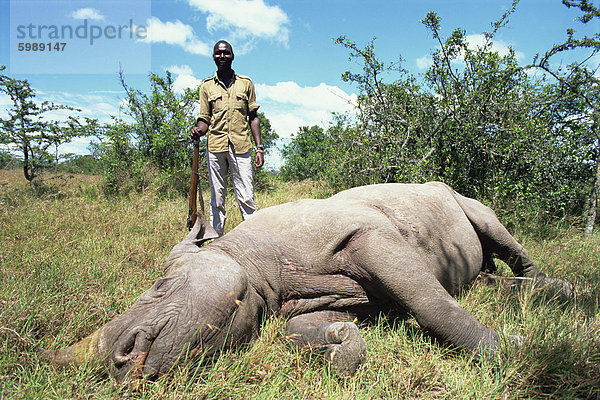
<point x="226" y="110"/>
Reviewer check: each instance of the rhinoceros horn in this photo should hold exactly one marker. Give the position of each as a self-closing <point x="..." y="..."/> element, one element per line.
<point x="84" y="351"/>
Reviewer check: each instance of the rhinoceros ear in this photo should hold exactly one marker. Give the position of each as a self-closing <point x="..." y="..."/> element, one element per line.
<point x="202" y="231"/>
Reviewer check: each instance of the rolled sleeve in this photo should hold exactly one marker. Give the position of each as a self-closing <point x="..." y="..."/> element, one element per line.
<point x="252" y="106"/>
<point x="205" y="113"/>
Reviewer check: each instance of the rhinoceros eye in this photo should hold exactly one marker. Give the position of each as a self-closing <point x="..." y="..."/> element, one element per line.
<point x="166" y="285"/>
<point x="160" y="285"/>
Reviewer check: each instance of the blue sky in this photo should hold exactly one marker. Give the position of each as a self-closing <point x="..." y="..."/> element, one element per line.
<point x="285" y="46"/>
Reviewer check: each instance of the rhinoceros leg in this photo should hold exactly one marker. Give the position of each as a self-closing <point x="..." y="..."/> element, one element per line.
<point x="402" y="273"/>
<point x="332" y="331"/>
<point x="498" y="242"/>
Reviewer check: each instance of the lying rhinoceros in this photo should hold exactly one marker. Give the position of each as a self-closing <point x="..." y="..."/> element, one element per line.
<point x="320" y="263"/>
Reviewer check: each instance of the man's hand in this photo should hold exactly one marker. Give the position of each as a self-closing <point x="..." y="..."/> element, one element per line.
<point x="199" y="130"/>
<point x="259" y="159"/>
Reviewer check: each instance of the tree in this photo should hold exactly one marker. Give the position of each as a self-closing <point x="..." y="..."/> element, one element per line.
<point x="453" y="125"/>
<point x="8" y="160"/>
<point x="119" y="158"/>
<point x="490" y="140"/>
<point x="397" y="120"/>
<point x="307" y="155"/>
<point x="578" y="83"/>
<point x="27" y="129"/>
<point x="80" y="164"/>
<point x="160" y="126"/>
<point x="269" y="137"/>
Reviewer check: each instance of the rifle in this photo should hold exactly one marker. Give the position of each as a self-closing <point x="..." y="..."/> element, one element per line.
<point x="205" y="231"/>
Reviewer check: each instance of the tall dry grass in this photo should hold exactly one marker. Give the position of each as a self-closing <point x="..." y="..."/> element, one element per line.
<point x="70" y="260"/>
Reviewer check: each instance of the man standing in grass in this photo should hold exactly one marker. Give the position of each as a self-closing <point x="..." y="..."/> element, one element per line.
<point x="227" y="105"/>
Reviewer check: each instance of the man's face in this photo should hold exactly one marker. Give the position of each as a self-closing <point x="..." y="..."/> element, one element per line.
<point x="223" y="56"/>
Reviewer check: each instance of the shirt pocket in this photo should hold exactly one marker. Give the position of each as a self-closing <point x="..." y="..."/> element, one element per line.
<point x="216" y="102"/>
<point x="241" y="103"/>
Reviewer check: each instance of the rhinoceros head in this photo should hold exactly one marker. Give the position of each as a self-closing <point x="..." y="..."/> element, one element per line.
<point x="201" y="307"/>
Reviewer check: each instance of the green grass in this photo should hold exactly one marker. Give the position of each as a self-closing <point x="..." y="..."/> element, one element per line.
<point x="70" y="260"/>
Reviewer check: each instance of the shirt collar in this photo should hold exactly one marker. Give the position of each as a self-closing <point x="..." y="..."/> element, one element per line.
<point x="217" y="80"/>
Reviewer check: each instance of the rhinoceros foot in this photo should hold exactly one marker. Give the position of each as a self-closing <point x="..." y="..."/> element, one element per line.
<point x="347" y="348"/>
<point x="557" y="286"/>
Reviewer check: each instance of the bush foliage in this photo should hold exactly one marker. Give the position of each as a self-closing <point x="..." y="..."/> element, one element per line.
<point x="475" y="120"/>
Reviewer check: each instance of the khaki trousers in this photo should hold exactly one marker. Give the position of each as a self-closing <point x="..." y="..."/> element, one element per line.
<point x="220" y="165"/>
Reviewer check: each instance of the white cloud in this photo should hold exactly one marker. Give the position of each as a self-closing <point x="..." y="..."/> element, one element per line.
<point x="5" y="100"/>
<point x="290" y="106"/>
<point x="58" y="115"/>
<point x="183" y="82"/>
<point x="196" y="46"/>
<point x="107" y="91"/>
<point x="106" y="108"/>
<point x="87" y="13"/>
<point x="310" y="97"/>
<point x="168" y="32"/>
<point x="77" y="146"/>
<point x="245" y="18"/>
<point x="242" y="20"/>
<point x="175" y="33"/>
<point x="184" y="78"/>
<point x="5" y="103"/>
<point x="474" y="42"/>
<point x="287" y="124"/>
<point x="424" y="62"/>
<point x="499" y="46"/>
<point x="91" y="105"/>
<point x="180" y="69"/>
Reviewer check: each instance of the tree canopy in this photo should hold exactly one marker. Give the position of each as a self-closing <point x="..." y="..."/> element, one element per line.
<point x="476" y="120"/>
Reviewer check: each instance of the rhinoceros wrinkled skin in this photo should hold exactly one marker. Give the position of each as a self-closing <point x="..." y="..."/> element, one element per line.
<point x="321" y="263"/>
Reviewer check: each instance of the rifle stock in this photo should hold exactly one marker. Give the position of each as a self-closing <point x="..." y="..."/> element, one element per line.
<point x="205" y="231"/>
<point x="193" y="207"/>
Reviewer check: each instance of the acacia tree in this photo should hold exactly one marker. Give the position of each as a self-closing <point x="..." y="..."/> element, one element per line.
<point x="454" y="125"/>
<point x="496" y="143"/>
<point x="29" y="130"/>
<point x="65" y="131"/>
<point x="479" y="122"/>
<point x="160" y="125"/>
<point x="397" y="120"/>
<point x="578" y="85"/>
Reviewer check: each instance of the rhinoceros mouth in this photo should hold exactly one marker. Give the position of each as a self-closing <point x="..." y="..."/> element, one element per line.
<point x="131" y="353"/>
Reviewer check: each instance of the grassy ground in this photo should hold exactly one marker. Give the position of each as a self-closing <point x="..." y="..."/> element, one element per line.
<point x="71" y="260"/>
